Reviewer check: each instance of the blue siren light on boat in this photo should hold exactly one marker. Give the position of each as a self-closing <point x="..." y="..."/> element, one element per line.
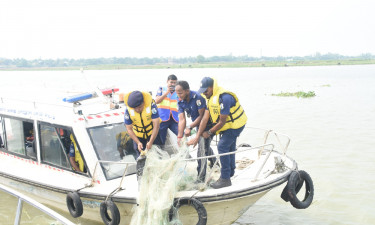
<point x="78" y="97"/>
<point x="84" y="96"/>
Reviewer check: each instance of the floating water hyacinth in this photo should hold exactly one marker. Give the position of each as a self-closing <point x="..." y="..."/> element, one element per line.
<point x="299" y="94"/>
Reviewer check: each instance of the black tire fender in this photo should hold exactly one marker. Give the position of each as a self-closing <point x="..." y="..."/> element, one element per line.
<point x="110" y="206"/>
<point x="295" y="183"/>
<point x="198" y="206"/>
<point x="74" y="204"/>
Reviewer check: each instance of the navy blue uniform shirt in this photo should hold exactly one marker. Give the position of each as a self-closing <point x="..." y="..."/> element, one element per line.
<point x="196" y="102"/>
<point x="72" y="152"/>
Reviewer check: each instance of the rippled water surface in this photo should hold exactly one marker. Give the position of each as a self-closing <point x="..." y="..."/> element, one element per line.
<point x="333" y="134"/>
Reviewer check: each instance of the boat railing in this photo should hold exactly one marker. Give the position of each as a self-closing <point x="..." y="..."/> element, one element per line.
<point x="269" y="146"/>
<point x="270" y="133"/>
<point x="93" y="179"/>
<point x="260" y="148"/>
<point x="266" y="137"/>
<point x="267" y="134"/>
<point x="23" y="198"/>
<point x="230" y="153"/>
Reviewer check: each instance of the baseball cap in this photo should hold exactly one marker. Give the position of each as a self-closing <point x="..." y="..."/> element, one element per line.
<point x="205" y="83"/>
<point x="135" y="99"/>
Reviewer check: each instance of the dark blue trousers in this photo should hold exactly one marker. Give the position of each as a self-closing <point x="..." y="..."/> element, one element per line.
<point x="227" y="144"/>
<point x="171" y="124"/>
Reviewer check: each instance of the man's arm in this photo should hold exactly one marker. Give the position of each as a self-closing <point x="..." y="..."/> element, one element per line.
<point x="74" y="164"/>
<point x="181" y="124"/>
<point x="132" y="135"/>
<point x="155" y="131"/>
<point x="218" y="126"/>
<point x="226" y="102"/>
<point x="202" y="126"/>
<point x="160" y="96"/>
<point x="197" y="121"/>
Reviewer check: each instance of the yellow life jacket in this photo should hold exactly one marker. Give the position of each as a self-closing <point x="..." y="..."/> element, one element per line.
<point x="78" y="157"/>
<point x="142" y="122"/>
<point x="236" y="118"/>
<point x="122" y="138"/>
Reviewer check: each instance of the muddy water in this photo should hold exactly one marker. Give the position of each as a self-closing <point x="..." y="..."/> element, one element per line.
<point x="333" y="134"/>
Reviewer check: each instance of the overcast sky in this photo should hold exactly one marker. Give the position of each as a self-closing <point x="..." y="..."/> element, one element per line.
<point x="177" y="28"/>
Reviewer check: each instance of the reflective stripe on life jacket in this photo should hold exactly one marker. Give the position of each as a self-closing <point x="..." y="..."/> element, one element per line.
<point x="168" y="106"/>
<point x="142" y="122"/>
<point x="236" y="118"/>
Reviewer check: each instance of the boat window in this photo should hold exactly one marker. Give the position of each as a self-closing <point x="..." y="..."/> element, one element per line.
<point x="18" y="137"/>
<point x="51" y="148"/>
<point x="2" y="144"/>
<point x="113" y="143"/>
<point x="59" y="147"/>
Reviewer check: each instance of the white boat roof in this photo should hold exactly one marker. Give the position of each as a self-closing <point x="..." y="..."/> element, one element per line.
<point x="90" y="112"/>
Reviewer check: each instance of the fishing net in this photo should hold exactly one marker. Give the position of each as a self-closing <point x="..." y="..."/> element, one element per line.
<point x="163" y="176"/>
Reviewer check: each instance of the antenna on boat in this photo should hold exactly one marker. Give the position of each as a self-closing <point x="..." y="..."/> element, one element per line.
<point x="94" y="88"/>
<point x="106" y="95"/>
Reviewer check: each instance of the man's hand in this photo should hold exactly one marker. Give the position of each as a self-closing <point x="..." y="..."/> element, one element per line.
<point x="193" y="141"/>
<point x="205" y="134"/>
<point x="187" y="132"/>
<point x="140" y="146"/>
<point x="148" y="145"/>
<point x="171" y="88"/>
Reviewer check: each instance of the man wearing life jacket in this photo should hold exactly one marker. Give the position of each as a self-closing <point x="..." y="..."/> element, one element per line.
<point x="166" y="98"/>
<point x="194" y="105"/>
<point x="125" y="144"/>
<point x="142" y="120"/>
<point x="75" y="157"/>
<point x="224" y="110"/>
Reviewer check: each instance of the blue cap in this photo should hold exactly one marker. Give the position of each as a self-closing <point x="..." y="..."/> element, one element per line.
<point x="205" y="83"/>
<point x="135" y="99"/>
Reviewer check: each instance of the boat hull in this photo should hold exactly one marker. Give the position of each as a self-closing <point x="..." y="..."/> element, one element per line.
<point x="224" y="211"/>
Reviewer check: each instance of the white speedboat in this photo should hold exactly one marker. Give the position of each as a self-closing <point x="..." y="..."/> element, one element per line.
<point x="34" y="159"/>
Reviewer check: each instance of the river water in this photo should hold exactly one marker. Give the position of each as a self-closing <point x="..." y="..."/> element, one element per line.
<point x="333" y="134"/>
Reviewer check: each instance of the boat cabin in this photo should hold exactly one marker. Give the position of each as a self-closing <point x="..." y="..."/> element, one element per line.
<point x="70" y="136"/>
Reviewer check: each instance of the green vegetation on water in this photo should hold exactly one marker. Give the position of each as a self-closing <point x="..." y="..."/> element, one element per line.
<point x="299" y="94"/>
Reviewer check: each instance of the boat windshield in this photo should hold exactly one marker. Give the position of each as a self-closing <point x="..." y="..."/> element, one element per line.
<point x="113" y="143"/>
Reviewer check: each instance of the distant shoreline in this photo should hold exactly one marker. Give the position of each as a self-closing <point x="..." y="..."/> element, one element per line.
<point x="202" y="65"/>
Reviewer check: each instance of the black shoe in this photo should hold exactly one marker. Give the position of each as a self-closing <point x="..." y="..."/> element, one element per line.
<point x="221" y="183"/>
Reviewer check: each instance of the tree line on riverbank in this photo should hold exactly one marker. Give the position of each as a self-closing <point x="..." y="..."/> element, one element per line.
<point x="230" y="60"/>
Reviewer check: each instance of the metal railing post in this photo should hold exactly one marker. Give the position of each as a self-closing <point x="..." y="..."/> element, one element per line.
<point x="23" y="198"/>
<point x="17" y="220"/>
